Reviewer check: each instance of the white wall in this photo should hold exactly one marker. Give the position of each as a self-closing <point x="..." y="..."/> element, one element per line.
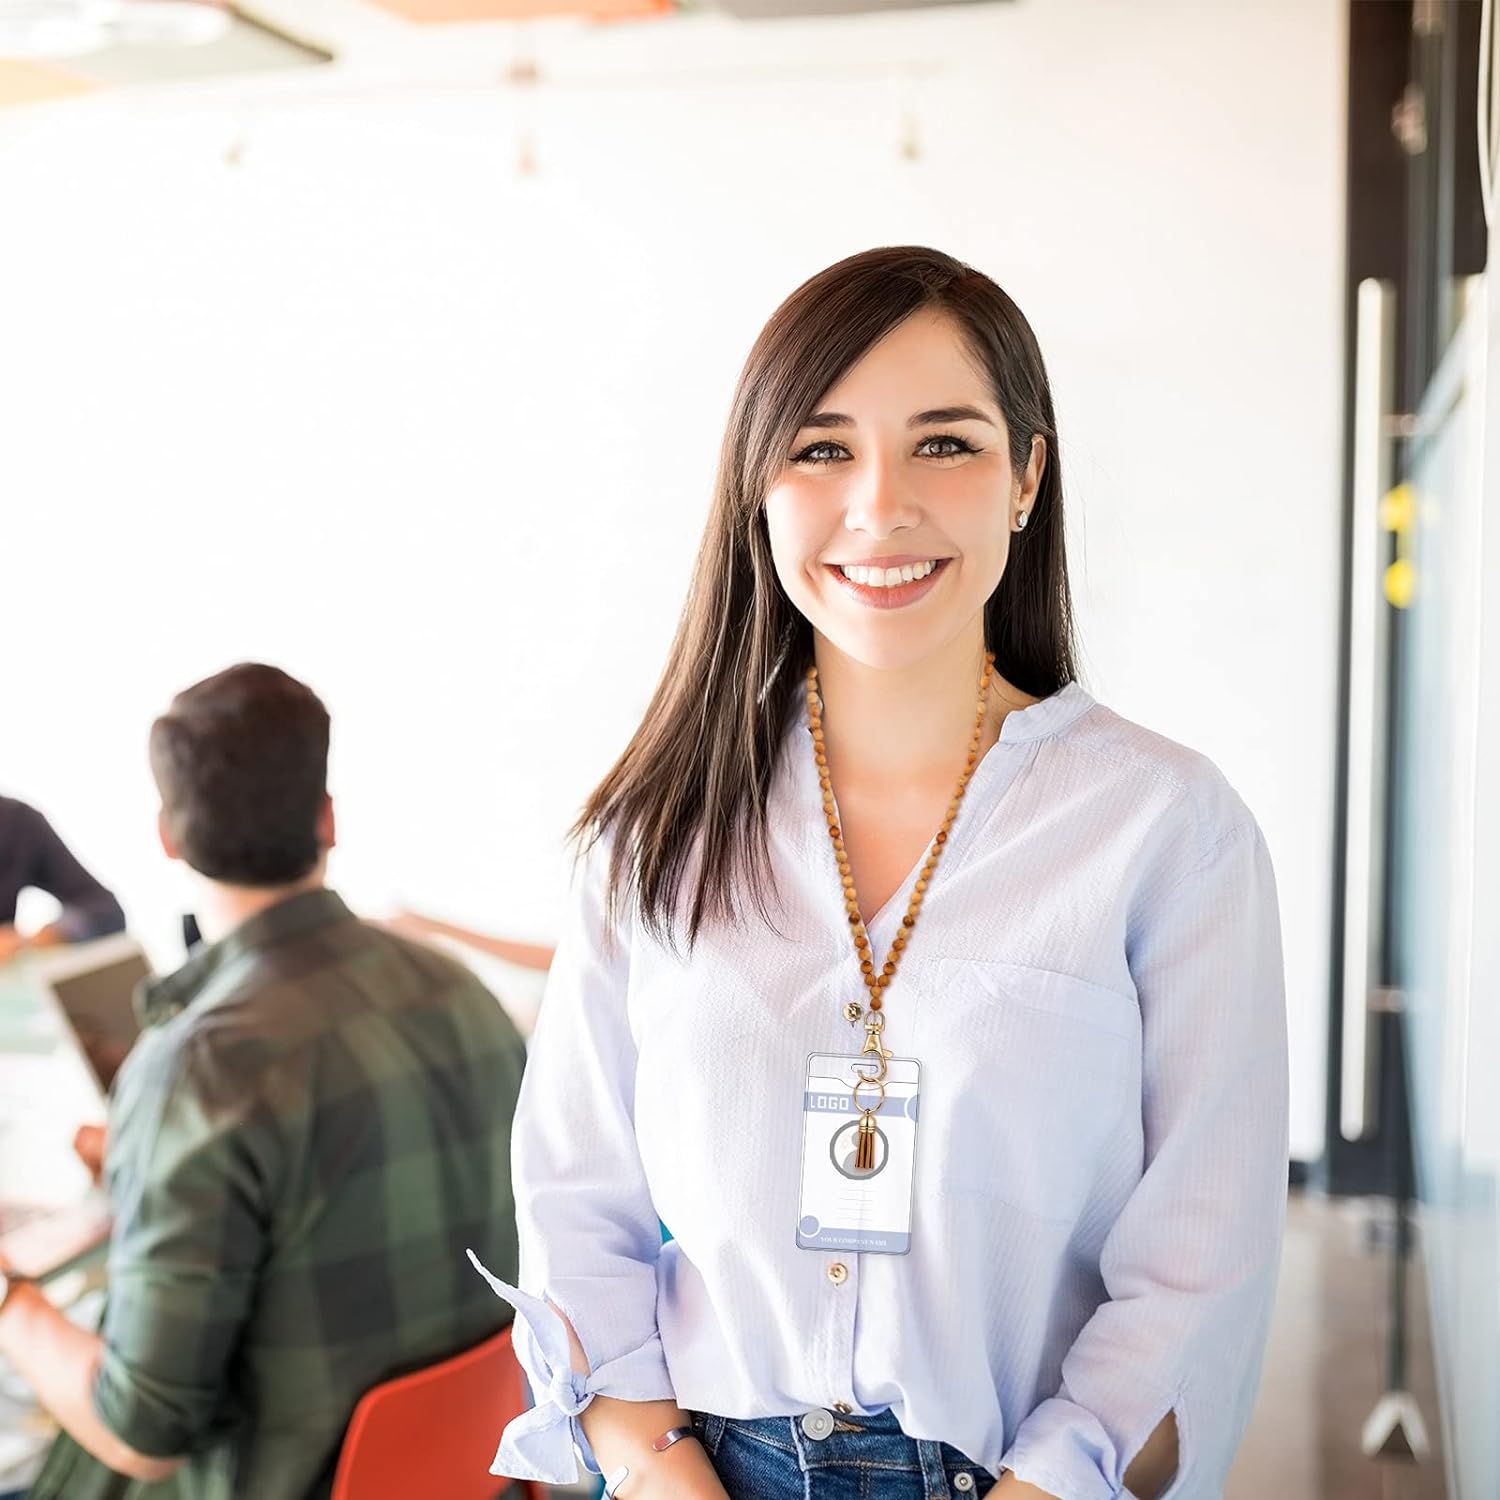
<point x="438" y="437"/>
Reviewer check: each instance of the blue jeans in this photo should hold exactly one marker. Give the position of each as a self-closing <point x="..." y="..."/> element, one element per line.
<point x="861" y="1458"/>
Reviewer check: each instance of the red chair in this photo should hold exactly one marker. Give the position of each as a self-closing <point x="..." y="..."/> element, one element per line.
<point x="433" y="1432"/>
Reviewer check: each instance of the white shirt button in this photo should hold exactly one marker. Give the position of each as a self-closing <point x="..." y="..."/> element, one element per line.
<point x="838" y="1273"/>
<point x="817" y="1424"/>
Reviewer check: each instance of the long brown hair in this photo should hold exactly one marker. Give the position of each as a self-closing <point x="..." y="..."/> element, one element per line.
<point x="693" y="783"/>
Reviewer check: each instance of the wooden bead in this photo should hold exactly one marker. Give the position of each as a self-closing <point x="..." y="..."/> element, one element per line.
<point x="876" y="1003"/>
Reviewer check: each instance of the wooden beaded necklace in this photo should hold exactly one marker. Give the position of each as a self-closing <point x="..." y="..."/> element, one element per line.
<point x="873" y="1075"/>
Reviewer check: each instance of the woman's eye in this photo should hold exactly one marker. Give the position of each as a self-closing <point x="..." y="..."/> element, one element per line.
<point x="945" y="447"/>
<point x="819" y="453"/>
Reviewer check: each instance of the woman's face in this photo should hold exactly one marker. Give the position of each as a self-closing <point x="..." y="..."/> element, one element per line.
<point x="902" y="479"/>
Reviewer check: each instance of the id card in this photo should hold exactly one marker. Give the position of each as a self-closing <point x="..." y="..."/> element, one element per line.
<point x="843" y="1207"/>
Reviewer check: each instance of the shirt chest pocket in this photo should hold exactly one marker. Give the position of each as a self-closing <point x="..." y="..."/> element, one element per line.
<point x="1030" y="1083"/>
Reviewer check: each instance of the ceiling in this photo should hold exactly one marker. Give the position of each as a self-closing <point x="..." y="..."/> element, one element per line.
<point x="438" y="12"/>
<point x="58" y="49"/>
<point x="54" y="49"/>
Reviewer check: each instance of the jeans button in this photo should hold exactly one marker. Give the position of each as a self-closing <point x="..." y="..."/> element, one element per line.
<point x="963" y="1483"/>
<point x="817" y="1424"/>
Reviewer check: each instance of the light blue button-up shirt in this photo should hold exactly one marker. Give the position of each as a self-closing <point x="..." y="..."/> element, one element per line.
<point x="1095" y="994"/>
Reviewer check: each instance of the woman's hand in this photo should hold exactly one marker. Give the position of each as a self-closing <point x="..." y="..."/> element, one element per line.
<point x="621" y="1434"/>
<point x="88" y="1146"/>
<point x="1149" y="1473"/>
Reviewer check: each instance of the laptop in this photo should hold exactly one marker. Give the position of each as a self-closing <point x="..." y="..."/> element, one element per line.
<point x="94" y="986"/>
<point x="66" y="1022"/>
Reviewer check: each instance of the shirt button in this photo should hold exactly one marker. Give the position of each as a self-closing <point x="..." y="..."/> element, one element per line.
<point x="963" y="1483"/>
<point x="842" y="1408"/>
<point x="817" y="1424"/>
<point x="838" y="1273"/>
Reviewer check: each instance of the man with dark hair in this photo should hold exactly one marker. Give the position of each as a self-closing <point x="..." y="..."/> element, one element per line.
<point x="313" y="1127"/>
<point x="32" y="856"/>
<point x="241" y="763"/>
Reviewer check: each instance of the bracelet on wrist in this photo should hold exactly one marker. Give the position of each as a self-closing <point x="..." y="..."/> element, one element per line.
<point x="617" y="1477"/>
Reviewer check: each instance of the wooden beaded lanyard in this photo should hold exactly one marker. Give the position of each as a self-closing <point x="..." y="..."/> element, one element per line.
<point x="873" y="1075"/>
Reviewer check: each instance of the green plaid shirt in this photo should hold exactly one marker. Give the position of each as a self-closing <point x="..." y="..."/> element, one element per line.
<point x="313" y="1126"/>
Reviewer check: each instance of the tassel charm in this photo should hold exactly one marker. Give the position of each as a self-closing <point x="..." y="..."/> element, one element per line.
<point x="864" y="1149"/>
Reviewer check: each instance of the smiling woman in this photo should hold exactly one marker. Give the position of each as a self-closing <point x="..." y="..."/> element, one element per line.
<point x="897" y="385"/>
<point x="874" y="845"/>
<point x="854" y="519"/>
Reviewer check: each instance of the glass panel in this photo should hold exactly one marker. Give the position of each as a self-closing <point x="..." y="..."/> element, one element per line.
<point x="1446" y="900"/>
